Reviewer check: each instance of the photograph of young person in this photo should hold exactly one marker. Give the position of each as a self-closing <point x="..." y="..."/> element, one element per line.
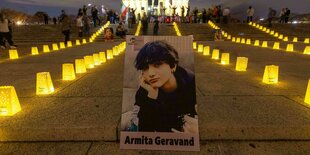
<point x="166" y="95"/>
<point x="108" y="34"/>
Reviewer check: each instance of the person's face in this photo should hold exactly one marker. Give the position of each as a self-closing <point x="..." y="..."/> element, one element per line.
<point x="109" y="32"/>
<point x="157" y="74"/>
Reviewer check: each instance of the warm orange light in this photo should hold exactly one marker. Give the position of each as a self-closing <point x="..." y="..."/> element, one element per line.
<point x="89" y="62"/>
<point x="176" y="28"/>
<point x="9" y="103"/>
<point x="233" y="39"/>
<point x="62" y="45"/>
<point x="229" y="37"/>
<point x="215" y="54"/>
<point x="256" y="43"/>
<point x="265" y="44"/>
<point x="96" y="59"/>
<point x="281" y="36"/>
<point x="268" y="31"/>
<point x="115" y="51"/>
<point x="276" y="45"/>
<point x="80" y="66"/>
<point x="307" y="50"/>
<point x="55" y="47"/>
<point x="44" y="83"/>
<point x="242" y="41"/>
<point x="307" y="97"/>
<point x="124" y="46"/>
<point x="238" y="40"/>
<point x="34" y="51"/>
<point x="271" y="74"/>
<point x="290" y="48"/>
<point x="109" y="54"/>
<point x="248" y="41"/>
<point x="241" y="64"/>
<point x="68" y="72"/>
<point x="138" y="29"/>
<point x="13" y="54"/>
<point x="225" y="59"/>
<point x="77" y="42"/>
<point x="46" y="49"/>
<point x="200" y="48"/>
<point x="102" y="57"/>
<point x="206" y="50"/>
<point x="119" y="47"/>
<point x="69" y="44"/>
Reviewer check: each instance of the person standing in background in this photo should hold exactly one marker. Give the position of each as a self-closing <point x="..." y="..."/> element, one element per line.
<point x="250" y="14"/>
<point x="94" y="14"/>
<point x="271" y="14"/>
<point x="5" y="32"/>
<point x="84" y="10"/>
<point x="287" y="14"/>
<point x="226" y="14"/>
<point x="86" y="25"/>
<point x="55" y="20"/>
<point x="144" y="22"/>
<point x="204" y="15"/>
<point x="282" y="15"/>
<point x="80" y="25"/>
<point x="80" y="12"/>
<point x="156" y="27"/>
<point x="65" y="26"/>
<point x="45" y="16"/>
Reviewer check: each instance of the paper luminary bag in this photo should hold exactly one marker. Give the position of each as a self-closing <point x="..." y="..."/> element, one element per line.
<point x="9" y="103"/>
<point x="144" y="125"/>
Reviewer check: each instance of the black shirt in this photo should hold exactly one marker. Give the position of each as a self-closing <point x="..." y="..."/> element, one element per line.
<point x="168" y="110"/>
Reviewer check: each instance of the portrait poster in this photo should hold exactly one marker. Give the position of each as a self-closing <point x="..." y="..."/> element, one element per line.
<point x="159" y="109"/>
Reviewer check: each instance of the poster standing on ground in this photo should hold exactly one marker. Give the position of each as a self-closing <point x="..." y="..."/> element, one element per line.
<point x="159" y="110"/>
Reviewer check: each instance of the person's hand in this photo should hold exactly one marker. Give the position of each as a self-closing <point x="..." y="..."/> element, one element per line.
<point x="190" y="125"/>
<point x="152" y="92"/>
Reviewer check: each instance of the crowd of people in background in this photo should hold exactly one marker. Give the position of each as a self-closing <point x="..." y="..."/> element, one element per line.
<point x="217" y="14"/>
<point x="284" y="15"/>
<point x="84" y="21"/>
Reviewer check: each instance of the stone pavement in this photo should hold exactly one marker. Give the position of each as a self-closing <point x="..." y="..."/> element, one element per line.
<point x="238" y="114"/>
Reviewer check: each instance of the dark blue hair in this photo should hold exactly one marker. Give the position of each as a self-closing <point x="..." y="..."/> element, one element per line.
<point x="154" y="53"/>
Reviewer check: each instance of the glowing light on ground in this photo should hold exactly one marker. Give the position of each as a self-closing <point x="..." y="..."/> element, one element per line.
<point x="44" y="83"/>
<point x="241" y="64"/>
<point x="9" y="103"/>
<point x="271" y="74"/>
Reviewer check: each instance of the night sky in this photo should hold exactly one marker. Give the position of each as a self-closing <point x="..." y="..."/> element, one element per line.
<point x="53" y="7"/>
